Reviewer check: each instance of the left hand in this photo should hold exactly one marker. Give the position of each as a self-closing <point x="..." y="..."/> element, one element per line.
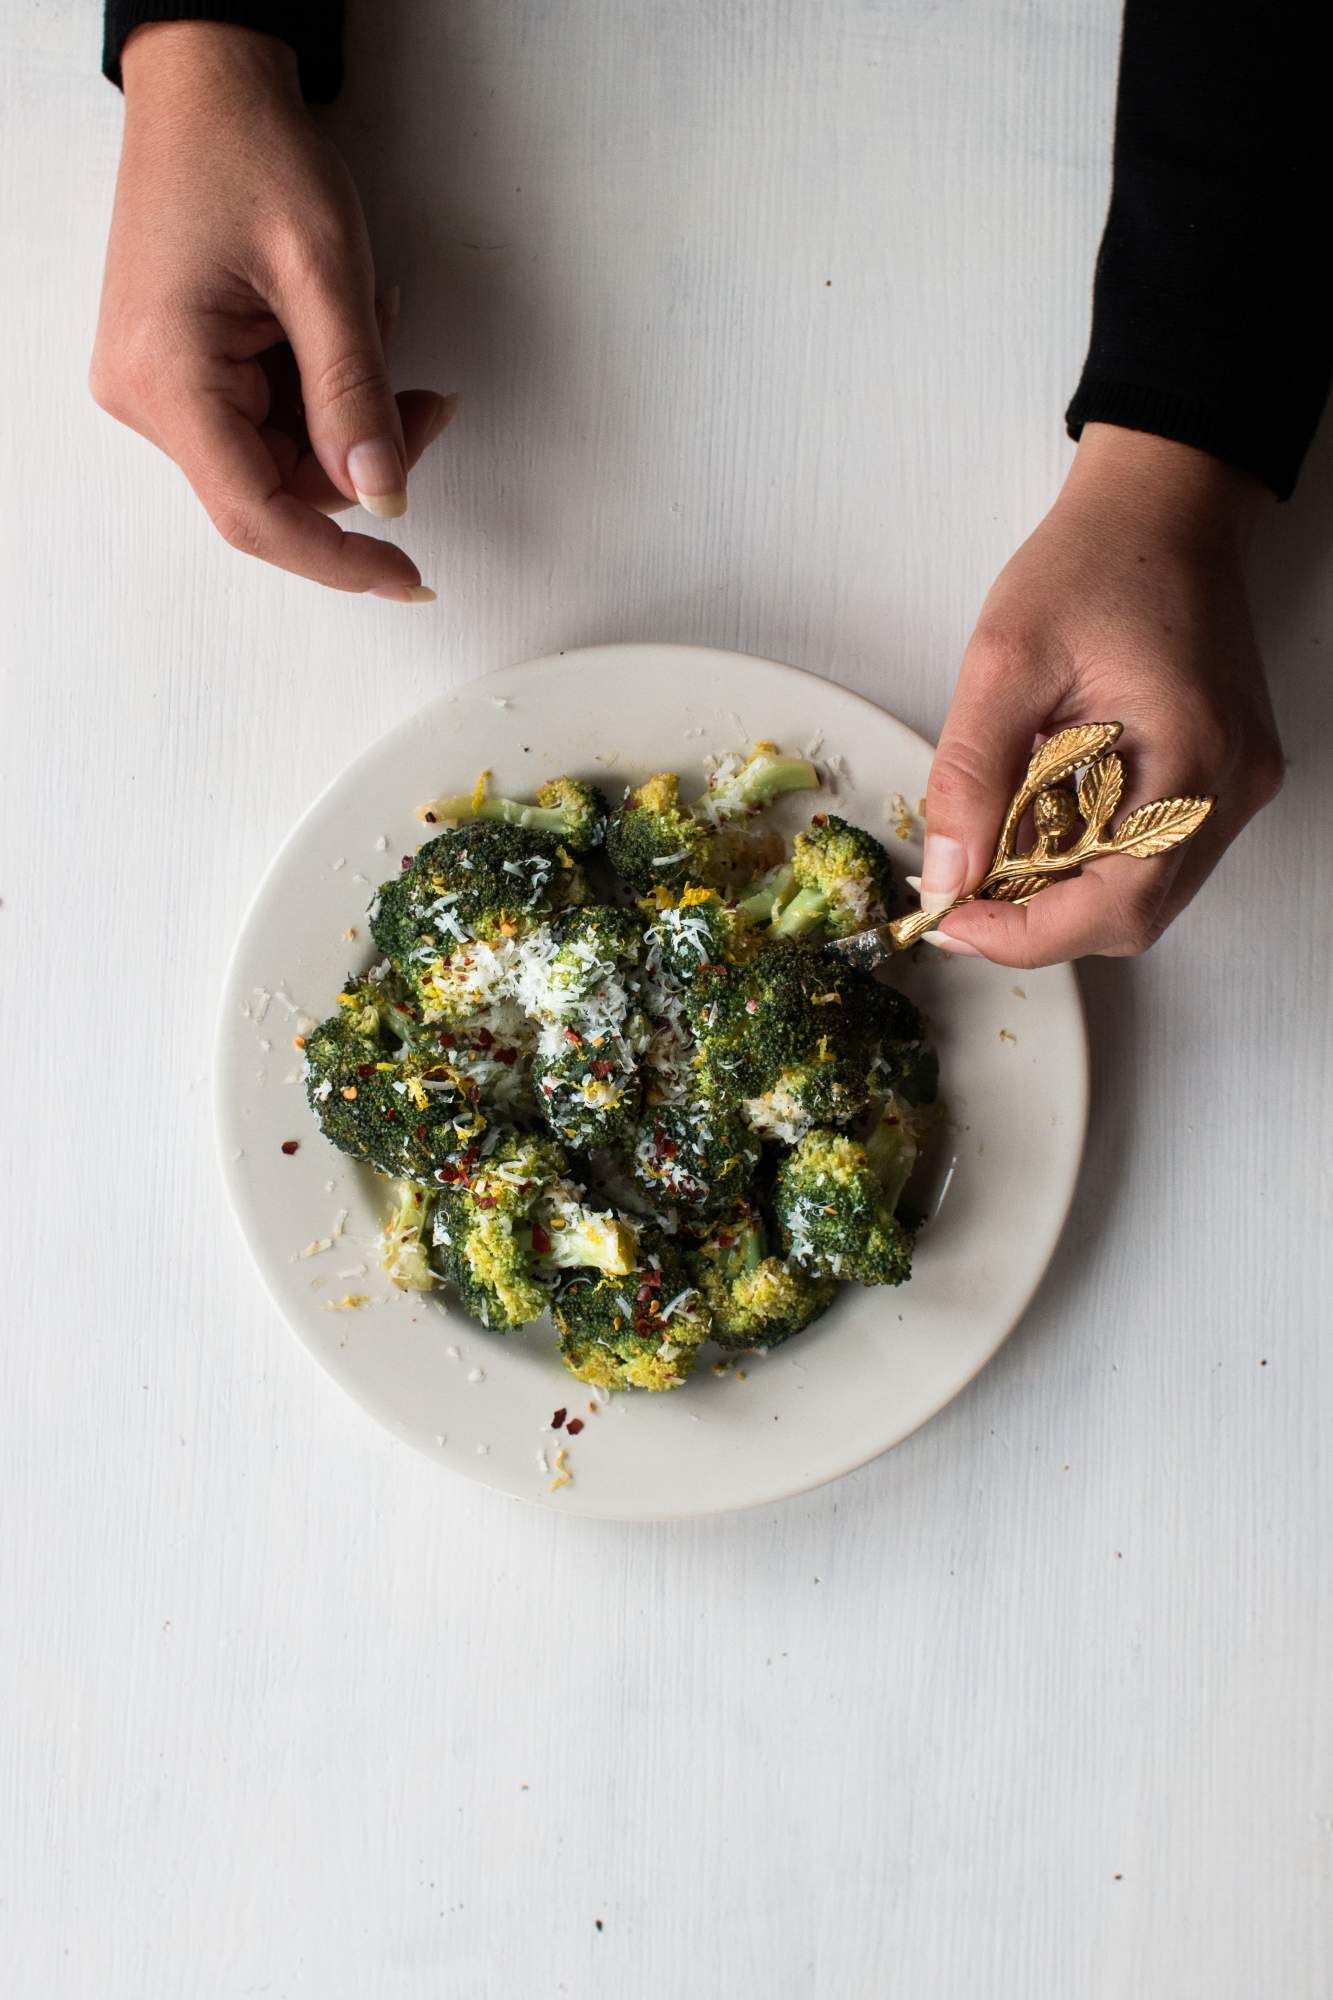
<point x="1128" y="604"/>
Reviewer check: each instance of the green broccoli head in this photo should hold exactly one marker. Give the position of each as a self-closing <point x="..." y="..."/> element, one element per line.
<point x="410" y="1116"/>
<point x="793" y="1034"/>
<point x="836" y="1198"/>
<point x="653" y="837"/>
<point x="378" y="1005"/>
<point x="698" y="928"/>
<point x="450" y="922"/>
<point x="755" y="1299"/>
<point x="587" y="1086"/>
<point x="844" y="881"/>
<point x="696" y="1156"/>
<point x="639" y="1331"/>
<point x="509" y="1219"/>
<point x="569" y="809"/>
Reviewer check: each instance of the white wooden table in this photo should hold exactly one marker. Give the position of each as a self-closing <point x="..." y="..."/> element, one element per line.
<point x="763" y="319"/>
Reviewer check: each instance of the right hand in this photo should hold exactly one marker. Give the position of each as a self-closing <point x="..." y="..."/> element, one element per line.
<point x="239" y="329"/>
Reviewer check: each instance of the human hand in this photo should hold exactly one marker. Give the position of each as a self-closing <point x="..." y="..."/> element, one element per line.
<point x="239" y="330"/>
<point x="1128" y="604"/>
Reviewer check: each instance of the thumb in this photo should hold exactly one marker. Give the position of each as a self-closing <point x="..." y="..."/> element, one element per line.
<point x="350" y="413"/>
<point x="996" y="711"/>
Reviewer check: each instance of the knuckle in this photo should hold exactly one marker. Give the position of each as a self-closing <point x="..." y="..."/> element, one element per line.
<point x="958" y="777"/>
<point x="355" y="376"/>
<point x="998" y="648"/>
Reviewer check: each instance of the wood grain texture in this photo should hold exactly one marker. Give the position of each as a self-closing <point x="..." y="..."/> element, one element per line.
<point x="763" y="319"/>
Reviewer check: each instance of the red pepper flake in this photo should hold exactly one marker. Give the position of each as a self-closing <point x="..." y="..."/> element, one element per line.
<point x="448" y="1174"/>
<point x="421" y="1134"/>
<point x="557" y="1421"/>
<point x="483" y="1038"/>
<point x="506" y="1056"/>
<point x="601" y="1069"/>
<point x="485" y="1201"/>
<point x="445" y="1039"/>
<point x="574" y="1038"/>
<point x="574" y="1426"/>
<point x="390" y="1114"/>
<point x="541" y="1242"/>
<point x="364" y="1070"/>
<point x="406" y="861"/>
<point x="289" y="1146"/>
<point x="429" y="818"/>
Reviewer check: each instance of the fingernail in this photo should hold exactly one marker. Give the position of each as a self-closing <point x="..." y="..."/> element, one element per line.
<point x="913" y="881"/>
<point x="951" y="944"/>
<point x="444" y="412"/>
<point x="376" y="472"/>
<point x="943" y="872"/>
<point x="405" y="593"/>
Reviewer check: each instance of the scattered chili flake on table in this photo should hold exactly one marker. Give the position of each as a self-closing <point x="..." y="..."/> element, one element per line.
<point x="574" y="1426"/>
<point x="290" y="1146"/>
<point x="558" y="1419"/>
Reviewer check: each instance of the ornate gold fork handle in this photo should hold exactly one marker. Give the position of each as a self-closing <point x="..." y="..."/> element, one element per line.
<point x="1015" y="877"/>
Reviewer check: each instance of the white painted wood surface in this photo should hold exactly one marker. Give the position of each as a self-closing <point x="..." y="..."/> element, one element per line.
<point x="763" y="317"/>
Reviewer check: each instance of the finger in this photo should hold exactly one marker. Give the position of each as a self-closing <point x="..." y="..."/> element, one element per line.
<point x="355" y="431"/>
<point x="997" y="709"/>
<point x="232" y="470"/>
<point x="424" y="415"/>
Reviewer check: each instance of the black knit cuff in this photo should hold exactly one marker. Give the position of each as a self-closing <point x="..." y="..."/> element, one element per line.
<point x="312" y="27"/>
<point x="1224" y="434"/>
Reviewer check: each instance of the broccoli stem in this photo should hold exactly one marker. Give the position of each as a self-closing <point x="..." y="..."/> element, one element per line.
<point x="577" y="1238"/>
<point x="892" y="1150"/>
<point x="761" y="903"/>
<point x="804" y="913"/>
<point x="545" y="819"/>
<point x="764" y="778"/>
<point x="403" y="1250"/>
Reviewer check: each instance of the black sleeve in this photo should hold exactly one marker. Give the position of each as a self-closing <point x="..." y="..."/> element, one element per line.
<point x="313" y="28"/>
<point x="1207" y="325"/>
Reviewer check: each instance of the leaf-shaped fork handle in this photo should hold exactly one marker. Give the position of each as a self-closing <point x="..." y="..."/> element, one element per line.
<point x="1057" y="813"/>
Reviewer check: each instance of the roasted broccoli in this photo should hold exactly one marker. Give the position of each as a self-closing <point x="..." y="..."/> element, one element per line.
<point x="450" y="922"/>
<point x="640" y="1331"/>
<point x="567" y="808"/>
<point x="655" y="837"/>
<point x="844" y="882"/>
<point x="836" y="1199"/>
<point x="576" y="978"/>
<point x="508" y="1222"/>
<point x="795" y="1035"/>
<point x="696" y="1156"/>
<point x="755" y="1299"/>
<point x="409" y="1116"/>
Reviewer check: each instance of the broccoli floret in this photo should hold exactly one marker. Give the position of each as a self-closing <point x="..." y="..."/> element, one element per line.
<point x="404" y="1244"/>
<point x="449" y="924"/>
<point x="378" y="1005"/>
<point x="640" y="1331"/>
<point x="755" y="1299"/>
<point x="763" y="901"/>
<point x="572" y="811"/>
<point x="699" y="929"/>
<point x="844" y="881"/>
<point x="835" y="1198"/>
<point x="408" y="1116"/>
<point x="697" y="1156"/>
<point x="795" y="1035"/>
<point x="588" y="1087"/>
<point x="654" y="837"/>
<point x="510" y="1220"/>
<point x="577" y="979"/>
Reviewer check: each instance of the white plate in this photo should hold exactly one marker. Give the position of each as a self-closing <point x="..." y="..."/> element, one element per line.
<point x="1013" y="1063"/>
